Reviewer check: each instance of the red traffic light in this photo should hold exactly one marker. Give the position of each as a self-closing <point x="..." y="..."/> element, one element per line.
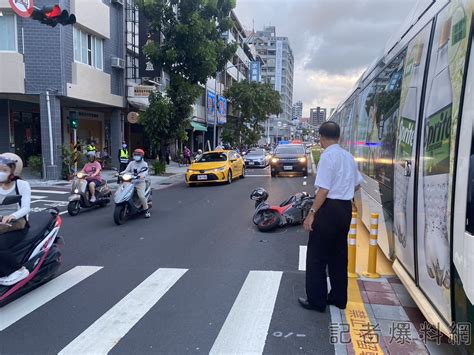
<point x="52" y="15"/>
<point x="56" y="11"/>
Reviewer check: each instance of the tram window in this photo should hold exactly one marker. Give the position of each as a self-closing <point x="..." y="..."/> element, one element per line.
<point x="470" y="193"/>
<point x="384" y="108"/>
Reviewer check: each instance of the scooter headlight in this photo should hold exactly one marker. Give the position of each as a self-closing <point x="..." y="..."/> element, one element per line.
<point x="76" y="191"/>
<point x="127" y="177"/>
<point x="275" y="160"/>
<point x="81" y="175"/>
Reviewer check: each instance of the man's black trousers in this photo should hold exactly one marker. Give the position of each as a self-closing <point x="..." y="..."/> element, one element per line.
<point x="327" y="248"/>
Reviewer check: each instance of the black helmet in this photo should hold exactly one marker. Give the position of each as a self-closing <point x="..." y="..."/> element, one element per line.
<point x="259" y="194"/>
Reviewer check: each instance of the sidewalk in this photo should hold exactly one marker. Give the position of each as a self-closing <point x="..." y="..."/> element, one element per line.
<point x="381" y="317"/>
<point x="174" y="174"/>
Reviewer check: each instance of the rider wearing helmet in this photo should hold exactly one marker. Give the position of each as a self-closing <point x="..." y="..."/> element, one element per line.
<point x="135" y="167"/>
<point x="13" y="218"/>
<point x="92" y="169"/>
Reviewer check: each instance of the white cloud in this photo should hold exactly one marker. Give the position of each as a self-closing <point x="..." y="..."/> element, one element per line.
<point x="332" y="40"/>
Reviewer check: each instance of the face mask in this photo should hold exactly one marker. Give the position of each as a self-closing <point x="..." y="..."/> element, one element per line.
<point x="124" y="146"/>
<point x="137" y="158"/>
<point x="4" y="176"/>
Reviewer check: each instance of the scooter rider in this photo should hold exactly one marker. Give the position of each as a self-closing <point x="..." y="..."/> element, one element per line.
<point x="134" y="167"/>
<point x="92" y="169"/>
<point x="13" y="218"/>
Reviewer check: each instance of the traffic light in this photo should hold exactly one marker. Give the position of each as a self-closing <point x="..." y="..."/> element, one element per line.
<point x="52" y="15"/>
<point x="73" y="119"/>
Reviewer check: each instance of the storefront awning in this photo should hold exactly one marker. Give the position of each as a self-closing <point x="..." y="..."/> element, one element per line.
<point x="198" y="127"/>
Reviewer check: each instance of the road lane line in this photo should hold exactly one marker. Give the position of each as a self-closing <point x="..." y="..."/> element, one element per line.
<point x="253" y="175"/>
<point x="63" y="212"/>
<point x="16" y="310"/>
<point x="302" y="258"/>
<point x="54" y="192"/>
<point x="33" y="197"/>
<point x="246" y="327"/>
<point x="107" y="331"/>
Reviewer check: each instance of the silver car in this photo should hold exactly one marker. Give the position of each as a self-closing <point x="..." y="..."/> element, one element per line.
<point x="257" y="158"/>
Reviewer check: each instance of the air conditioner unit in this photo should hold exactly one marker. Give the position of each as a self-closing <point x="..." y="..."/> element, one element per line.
<point x="118" y="2"/>
<point x="118" y="63"/>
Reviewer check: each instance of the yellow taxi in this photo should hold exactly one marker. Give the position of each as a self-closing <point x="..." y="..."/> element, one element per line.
<point x="216" y="166"/>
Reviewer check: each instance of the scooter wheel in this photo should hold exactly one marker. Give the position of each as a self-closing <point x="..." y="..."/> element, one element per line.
<point x="269" y="221"/>
<point x="120" y="215"/>
<point x="73" y="208"/>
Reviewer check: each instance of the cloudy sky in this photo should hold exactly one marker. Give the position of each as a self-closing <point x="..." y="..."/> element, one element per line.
<point x="333" y="41"/>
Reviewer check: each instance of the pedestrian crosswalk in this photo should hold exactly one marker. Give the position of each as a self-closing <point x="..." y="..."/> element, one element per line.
<point x="245" y="329"/>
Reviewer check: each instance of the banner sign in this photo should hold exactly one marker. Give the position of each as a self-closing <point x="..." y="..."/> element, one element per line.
<point x="278" y="65"/>
<point x="145" y="66"/>
<point x="254" y="72"/>
<point x="221" y="110"/>
<point x="211" y="105"/>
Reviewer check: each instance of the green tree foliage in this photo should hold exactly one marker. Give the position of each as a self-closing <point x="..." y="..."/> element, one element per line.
<point x="252" y="102"/>
<point x="191" y="50"/>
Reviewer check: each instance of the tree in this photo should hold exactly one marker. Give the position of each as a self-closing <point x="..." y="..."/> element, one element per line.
<point x="253" y="102"/>
<point x="192" y="49"/>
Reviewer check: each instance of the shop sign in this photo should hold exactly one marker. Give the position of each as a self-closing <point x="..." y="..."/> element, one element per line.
<point x="132" y="117"/>
<point x="143" y="90"/>
<point x="221" y="110"/>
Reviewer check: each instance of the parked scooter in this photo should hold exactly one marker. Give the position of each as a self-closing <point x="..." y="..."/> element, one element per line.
<point x="38" y="251"/>
<point x="127" y="203"/>
<point x="80" y="195"/>
<point x="290" y="212"/>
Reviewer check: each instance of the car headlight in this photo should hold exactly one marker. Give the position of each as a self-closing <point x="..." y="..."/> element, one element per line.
<point x="192" y="171"/>
<point x="275" y="160"/>
<point x="220" y="169"/>
<point x="302" y="160"/>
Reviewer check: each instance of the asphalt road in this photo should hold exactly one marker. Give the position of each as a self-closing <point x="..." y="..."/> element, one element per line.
<point x="195" y="278"/>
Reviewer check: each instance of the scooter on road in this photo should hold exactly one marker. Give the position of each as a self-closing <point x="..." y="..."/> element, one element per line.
<point x="292" y="211"/>
<point x="38" y="251"/>
<point x="80" y="195"/>
<point x="127" y="203"/>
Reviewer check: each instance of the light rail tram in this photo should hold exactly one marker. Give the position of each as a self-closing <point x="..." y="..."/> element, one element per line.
<point x="409" y="122"/>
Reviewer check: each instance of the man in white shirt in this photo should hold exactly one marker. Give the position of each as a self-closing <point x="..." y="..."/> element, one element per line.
<point x="328" y="223"/>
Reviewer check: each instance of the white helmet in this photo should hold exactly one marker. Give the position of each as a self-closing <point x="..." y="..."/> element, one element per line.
<point x="14" y="161"/>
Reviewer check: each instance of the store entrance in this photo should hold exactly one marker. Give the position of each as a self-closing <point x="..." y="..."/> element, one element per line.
<point x="27" y="134"/>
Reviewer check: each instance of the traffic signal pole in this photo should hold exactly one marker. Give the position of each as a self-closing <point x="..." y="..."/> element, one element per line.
<point x="74" y="138"/>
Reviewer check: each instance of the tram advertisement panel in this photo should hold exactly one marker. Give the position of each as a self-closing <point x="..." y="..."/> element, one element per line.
<point x="415" y="63"/>
<point x="448" y="56"/>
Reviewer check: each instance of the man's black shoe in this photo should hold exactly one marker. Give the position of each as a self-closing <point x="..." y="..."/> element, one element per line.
<point x="331" y="302"/>
<point x="305" y="304"/>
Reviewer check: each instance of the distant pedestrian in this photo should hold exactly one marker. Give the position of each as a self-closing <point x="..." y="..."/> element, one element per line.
<point x="167" y="154"/>
<point x="91" y="147"/>
<point x="328" y="223"/>
<point x="187" y="155"/>
<point x="123" y="156"/>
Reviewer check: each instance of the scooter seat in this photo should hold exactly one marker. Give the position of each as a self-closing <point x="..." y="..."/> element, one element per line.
<point x="39" y="223"/>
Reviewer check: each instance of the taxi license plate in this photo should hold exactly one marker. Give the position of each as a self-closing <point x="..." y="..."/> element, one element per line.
<point x="251" y="163"/>
<point x="287" y="167"/>
<point x="202" y="177"/>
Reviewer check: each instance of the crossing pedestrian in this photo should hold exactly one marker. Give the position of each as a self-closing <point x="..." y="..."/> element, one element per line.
<point x="328" y="223"/>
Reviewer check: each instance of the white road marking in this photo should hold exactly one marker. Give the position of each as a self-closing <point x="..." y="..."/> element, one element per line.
<point x="260" y="175"/>
<point x="107" y="331"/>
<point x="16" y="310"/>
<point x="51" y="201"/>
<point x="302" y="258"/>
<point x="54" y="192"/>
<point x="63" y="212"/>
<point x="33" y="197"/>
<point x="246" y="327"/>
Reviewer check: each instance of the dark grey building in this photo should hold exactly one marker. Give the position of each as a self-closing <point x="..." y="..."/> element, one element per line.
<point x="46" y="73"/>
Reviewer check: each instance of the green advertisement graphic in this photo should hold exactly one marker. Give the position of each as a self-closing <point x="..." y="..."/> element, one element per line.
<point x="437" y="142"/>
<point x="406" y="134"/>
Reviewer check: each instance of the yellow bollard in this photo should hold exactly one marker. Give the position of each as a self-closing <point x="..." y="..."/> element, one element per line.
<point x="352" y="247"/>
<point x="372" y="264"/>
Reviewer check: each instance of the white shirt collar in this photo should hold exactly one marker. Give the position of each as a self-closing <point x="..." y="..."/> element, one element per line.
<point x="332" y="146"/>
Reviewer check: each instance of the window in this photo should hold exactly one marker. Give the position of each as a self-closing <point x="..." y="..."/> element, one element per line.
<point x="88" y="49"/>
<point x="8" y="33"/>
